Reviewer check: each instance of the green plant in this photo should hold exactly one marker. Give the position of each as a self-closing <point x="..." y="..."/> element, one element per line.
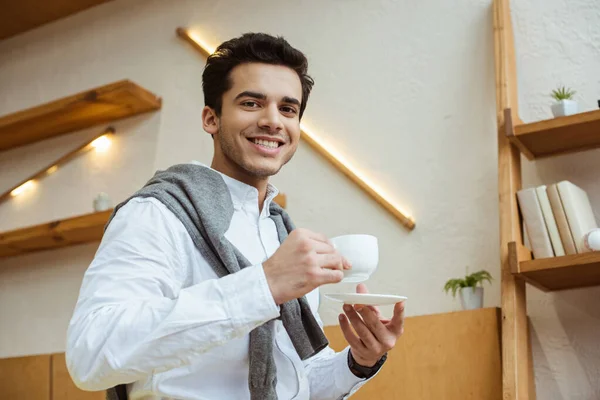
<point x="562" y="93"/>
<point x="470" y="280"/>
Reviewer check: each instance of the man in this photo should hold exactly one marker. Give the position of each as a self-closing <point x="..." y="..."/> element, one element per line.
<point x="197" y="291"/>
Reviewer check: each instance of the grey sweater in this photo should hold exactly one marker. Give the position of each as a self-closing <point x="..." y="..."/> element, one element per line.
<point x="200" y="199"/>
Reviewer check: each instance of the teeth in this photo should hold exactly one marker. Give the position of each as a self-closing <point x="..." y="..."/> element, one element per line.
<point x="266" y="143"/>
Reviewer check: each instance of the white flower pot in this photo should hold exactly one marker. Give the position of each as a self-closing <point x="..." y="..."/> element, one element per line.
<point x="564" y="107"/>
<point x="102" y="202"/>
<point x="471" y="298"/>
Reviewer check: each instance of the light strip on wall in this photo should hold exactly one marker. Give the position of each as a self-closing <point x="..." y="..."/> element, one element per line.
<point x="100" y="142"/>
<point x="327" y="151"/>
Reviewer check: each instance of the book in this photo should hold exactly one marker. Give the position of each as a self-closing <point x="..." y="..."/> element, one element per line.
<point x="578" y="211"/>
<point x="542" y="195"/>
<point x="535" y="224"/>
<point x="561" y="219"/>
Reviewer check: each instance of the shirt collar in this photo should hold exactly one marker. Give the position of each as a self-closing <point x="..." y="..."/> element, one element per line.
<point x="244" y="195"/>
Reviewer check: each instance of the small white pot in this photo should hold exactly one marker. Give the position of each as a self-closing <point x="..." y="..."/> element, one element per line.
<point x="471" y="298"/>
<point x="565" y="107"/>
<point x="102" y="202"/>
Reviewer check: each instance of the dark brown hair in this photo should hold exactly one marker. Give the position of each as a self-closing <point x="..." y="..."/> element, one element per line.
<point x="251" y="48"/>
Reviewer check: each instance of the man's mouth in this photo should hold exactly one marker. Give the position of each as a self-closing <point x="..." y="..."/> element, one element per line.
<point x="270" y="144"/>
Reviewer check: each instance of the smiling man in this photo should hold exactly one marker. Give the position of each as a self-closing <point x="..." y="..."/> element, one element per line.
<point x="202" y="288"/>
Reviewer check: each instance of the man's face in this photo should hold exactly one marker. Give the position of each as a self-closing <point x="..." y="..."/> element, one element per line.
<point x="259" y="127"/>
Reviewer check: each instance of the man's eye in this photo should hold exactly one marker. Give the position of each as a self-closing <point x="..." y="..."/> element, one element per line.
<point x="291" y="110"/>
<point x="250" y="104"/>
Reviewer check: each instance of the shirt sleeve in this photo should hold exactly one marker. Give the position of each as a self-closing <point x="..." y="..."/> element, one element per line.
<point x="135" y="316"/>
<point x="328" y="372"/>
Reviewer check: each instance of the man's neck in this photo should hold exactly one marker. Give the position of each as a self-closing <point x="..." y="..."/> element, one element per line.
<point x="234" y="173"/>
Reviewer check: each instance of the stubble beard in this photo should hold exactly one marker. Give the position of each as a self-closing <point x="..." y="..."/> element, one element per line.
<point x="235" y="156"/>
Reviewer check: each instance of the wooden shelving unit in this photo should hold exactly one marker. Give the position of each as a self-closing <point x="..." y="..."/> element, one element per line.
<point x="557" y="136"/>
<point x="535" y="140"/>
<point x="103" y="104"/>
<point x="55" y="234"/>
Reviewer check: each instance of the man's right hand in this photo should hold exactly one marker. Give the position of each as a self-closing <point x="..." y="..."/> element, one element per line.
<point x="304" y="261"/>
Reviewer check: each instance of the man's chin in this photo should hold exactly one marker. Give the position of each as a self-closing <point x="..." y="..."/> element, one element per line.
<point x="264" y="170"/>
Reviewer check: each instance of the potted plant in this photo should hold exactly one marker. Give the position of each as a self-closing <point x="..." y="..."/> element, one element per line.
<point x="471" y="295"/>
<point x="565" y="105"/>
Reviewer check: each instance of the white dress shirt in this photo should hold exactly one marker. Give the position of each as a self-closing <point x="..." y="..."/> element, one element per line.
<point x="152" y="313"/>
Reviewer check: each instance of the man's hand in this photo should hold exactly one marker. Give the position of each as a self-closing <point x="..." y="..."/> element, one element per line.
<point x="376" y="336"/>
<point x="304" y="261"/>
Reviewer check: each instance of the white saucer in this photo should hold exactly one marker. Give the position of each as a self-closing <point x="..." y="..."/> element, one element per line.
<point x="368" y="299"/>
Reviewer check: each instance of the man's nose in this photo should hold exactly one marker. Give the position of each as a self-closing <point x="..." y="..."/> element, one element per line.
<point x="271" y="119"/>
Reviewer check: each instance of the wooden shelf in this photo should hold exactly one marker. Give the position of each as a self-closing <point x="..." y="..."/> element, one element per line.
<point x="20" y="16"/>
<point x="62" y="233"/>
<point x="556" y="136"/>
<point x="117" y="100"/>
<point x="560" y="273"/>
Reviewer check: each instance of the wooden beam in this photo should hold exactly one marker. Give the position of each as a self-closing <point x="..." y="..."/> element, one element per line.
<point x="345" y="168"/>
<point x="53" y="166"/>
<point x="516" y="363"/>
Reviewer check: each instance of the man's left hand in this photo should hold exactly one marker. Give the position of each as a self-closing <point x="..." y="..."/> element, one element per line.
<point x="376" y="336"/>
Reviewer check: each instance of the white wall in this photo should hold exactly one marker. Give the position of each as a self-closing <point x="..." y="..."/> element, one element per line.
<point x="405" y="89"/>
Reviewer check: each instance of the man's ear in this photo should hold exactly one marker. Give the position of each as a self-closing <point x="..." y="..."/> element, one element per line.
<point x="210" y="121"/>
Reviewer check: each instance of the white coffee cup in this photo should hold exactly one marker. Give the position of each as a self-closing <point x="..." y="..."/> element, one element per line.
<point x="363" y="253"/>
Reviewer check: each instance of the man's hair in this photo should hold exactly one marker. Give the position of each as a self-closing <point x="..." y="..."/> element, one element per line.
<point x="251" y="48"/>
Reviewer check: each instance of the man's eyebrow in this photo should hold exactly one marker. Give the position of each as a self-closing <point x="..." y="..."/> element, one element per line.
<point x="249" y="93"/>
<point x="291" y="100"/>
<point x="262" y="96"/>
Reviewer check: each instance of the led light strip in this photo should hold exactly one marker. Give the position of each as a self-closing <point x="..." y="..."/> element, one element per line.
<point x="325" y="150"/>
<point x="100" y="142"/>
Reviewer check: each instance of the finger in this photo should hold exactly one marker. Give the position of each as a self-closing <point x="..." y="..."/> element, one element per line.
<point x="362" y="288"/>
<point x="351" y="338"/>
<point x="376" y="327"/>
<point x="397" y="323"/>
<point x="347" y="264"/>
<point x="322" y="247"/>
<point x="319" y="237"/>
<point x="361" y="329"/>
<point x="328" y="276"/>
<point x="331" y="261"/>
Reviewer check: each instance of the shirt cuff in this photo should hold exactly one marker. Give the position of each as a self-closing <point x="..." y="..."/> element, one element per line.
<point x="345" y="377"/>
<point x="249" y="298"/>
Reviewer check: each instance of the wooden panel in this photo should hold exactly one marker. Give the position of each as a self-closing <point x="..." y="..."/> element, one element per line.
<point x="25" y="378"/>
<point x="82" y="229"/>
<point x="100" y="105"/>
<point x="560" y="135"/>
<point x="63" y="387"/>
<point x="452" y="356"/>
<point x="23" y="15"/>
<point x="565" y="272"/>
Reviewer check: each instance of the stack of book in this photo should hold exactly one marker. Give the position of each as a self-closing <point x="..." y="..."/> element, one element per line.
<point x="556" y="219"/>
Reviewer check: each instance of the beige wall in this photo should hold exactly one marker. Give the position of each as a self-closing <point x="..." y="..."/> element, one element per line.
<point x="405" y="89"/>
